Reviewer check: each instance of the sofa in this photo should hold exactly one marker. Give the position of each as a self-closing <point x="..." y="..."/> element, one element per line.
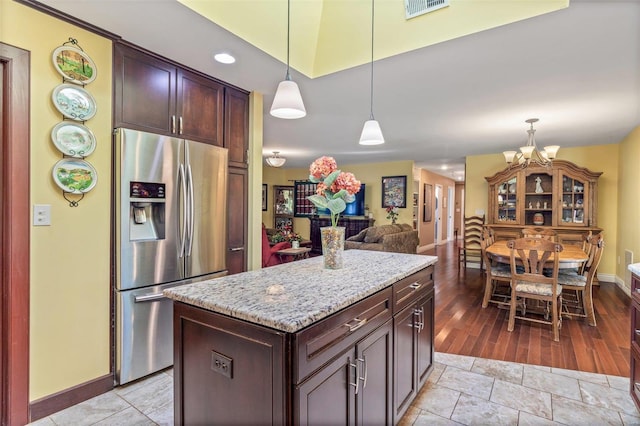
<point x="398" y="238"/>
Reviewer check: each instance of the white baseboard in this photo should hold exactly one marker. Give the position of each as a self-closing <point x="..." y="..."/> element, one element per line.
<point x="422" y="249"/>
<point x="615" y="279"/>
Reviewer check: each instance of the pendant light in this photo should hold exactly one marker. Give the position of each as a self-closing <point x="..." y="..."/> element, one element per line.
<point x="287" y="102"/>
<point x="371" y="132"/>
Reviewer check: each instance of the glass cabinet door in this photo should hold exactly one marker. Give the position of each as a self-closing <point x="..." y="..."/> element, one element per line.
<point x="506" y="202"/>
<point x="574" y="201"/>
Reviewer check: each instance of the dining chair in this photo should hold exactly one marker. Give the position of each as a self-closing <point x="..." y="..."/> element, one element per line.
<point x="470" y="249"/>
<point x="535" y="256"/>
<point x="531" y="232"/>
<point x="496" y="288"/>
<point x="579" y="303"/>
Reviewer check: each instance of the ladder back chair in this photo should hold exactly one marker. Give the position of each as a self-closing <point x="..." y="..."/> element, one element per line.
<point x="580" y="302"/>
<point x="529" y="282"/>
<point x="470" y="249"/>
<point x="496" y="288"/>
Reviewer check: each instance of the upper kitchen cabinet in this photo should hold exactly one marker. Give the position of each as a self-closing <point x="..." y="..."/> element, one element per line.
<point x="157" y="96"/>
<point x="236" y="126"/>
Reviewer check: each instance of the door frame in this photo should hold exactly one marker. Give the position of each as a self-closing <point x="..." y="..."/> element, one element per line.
<point x="14" y="235"/>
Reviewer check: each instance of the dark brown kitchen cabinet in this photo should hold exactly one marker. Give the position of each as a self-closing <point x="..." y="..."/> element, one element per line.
<point x="635" y="340"/>
<point x="356" y="385"/>
<point x="154" y="95"/>
<point x="413" y="334"/>
<point x="338" y="370"/>
<point x="237" y="220"/>
<point x="236" y="126"/>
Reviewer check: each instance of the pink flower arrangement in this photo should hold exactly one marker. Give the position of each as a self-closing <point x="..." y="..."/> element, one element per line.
<point x="335" y="188"/>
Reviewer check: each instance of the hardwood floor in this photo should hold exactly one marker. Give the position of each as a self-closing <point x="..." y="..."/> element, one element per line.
<point x="463" y="327"/>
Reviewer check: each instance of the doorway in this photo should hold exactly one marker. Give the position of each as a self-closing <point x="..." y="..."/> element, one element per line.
<point x="14" y="235"/>
<point x="451" y="194"/>
<point x="438" y="216"/>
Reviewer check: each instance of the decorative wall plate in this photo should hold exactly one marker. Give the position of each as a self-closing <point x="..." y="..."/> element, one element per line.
<point x="74" y="102"/>
<point x="73" y="139"/>
<point x="74" y="65"/>
<point x="75" y="176"/>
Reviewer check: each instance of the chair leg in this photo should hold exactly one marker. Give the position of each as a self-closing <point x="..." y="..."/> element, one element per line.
<point x="587" y="300"/>
<point x="488" y="289"/>
<point x="555" y="322"/>
<point x="512" y="311"/>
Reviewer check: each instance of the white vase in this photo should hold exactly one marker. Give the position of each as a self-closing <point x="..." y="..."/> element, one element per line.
<point x="295" y="244"/>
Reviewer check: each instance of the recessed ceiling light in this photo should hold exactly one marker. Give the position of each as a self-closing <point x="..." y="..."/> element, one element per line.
<point x="224" y="58"/>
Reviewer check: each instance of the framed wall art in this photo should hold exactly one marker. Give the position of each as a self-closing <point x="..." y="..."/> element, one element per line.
<point x="427" y="205"/>
<point x="264" y="197"/>
<point x="394" y="191"/>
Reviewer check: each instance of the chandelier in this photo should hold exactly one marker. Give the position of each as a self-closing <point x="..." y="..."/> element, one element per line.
<point x="275" y="160"/>
<point x="530" y="153"/>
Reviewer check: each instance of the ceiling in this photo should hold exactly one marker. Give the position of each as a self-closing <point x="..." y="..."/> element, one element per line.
<point x="577" y="69"/>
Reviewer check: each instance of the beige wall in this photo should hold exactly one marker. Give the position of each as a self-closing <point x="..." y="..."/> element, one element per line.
<point x="69" y="305"/>
<point x="370" y="174"/>
<point x="599" y="158"/>
<point x="427" y="229"/>
<point x="628" y="212"/>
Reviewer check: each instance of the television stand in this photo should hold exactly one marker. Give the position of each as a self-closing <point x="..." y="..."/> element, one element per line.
<point x="352" y="226"/>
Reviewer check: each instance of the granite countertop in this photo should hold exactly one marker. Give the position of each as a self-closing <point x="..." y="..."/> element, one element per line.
<point x="635" y="268"/>
<point x="291" y="296"/>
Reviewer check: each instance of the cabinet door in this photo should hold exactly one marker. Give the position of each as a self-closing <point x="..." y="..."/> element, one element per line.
<point x="404" y="359"/>
<point x="574" y="201"/>
<point x="144" y="91"/>
<point x="506" y="197"/>
<point x="236" y="126"/>
<point x="199" y="108"/>
<point x="424" y="339"/>
<point x="237" y="221"/>
<point x="328" y="397"/>
<point x="374" y="399"/>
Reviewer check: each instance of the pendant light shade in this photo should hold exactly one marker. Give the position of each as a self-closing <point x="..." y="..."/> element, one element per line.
<point x="287" y="102"/>
<point x="371" y="132"/>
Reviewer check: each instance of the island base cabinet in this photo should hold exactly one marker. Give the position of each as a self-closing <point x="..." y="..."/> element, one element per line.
<point x="413" y="352"/>
<point x="226" y="371"/>
<point x="355" y="388"/>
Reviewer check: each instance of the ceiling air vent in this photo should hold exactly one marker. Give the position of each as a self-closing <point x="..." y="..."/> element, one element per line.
<point x="415" y="8"/>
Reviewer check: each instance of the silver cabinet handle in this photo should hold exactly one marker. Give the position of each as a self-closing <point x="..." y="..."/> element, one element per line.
<point x="180" y="125"/>
<point x="415" y="286"/>
<point x="149" y="297"/>
<point x="236" y="249"/>
<point x="418" y="324"/>
<point x="422" y="318"/>
<point x="363" y="360"/>
<point x="173" y="124"/>
<point x="357" y="374"/>
<point x="355" y="324"/>
<point x="636" y="385"/>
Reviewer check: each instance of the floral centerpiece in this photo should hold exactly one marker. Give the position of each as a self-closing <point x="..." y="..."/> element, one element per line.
<point x="392" y="214"/>
<point x="334" y="190"/>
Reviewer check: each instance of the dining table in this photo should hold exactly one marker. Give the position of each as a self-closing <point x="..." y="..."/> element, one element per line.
<point x="571" y="256"/>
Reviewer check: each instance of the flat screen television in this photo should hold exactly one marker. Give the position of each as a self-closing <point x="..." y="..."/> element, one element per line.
<point x="355" y="208"/>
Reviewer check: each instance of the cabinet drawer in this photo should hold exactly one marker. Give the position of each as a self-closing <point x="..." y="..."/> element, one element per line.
<point x="321" y="342"/>
<point x="635" y="377"/>
<point x="408" y="290"/>
<point x="635" y="325"/>
<point x="635" y="288"/>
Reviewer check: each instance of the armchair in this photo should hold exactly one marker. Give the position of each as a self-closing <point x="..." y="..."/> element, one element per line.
<point x="269" y="256"/>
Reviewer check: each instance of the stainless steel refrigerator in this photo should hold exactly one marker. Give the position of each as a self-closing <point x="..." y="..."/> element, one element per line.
<point x="170" y="229"/>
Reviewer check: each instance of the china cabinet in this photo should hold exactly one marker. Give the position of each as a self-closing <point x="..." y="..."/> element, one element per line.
<point x="562" y="196"/>
<point x="283" y="207"/>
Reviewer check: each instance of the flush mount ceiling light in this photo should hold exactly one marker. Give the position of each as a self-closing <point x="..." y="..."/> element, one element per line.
<point x="287" y="102"/>
<point x="371" y="132"/>
<point x="529" y="153"/>
<point x="224" y="58"/>
<point x="275" y="160"/>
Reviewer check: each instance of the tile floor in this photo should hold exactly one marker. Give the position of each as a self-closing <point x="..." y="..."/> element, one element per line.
<point x="460" y="391"/>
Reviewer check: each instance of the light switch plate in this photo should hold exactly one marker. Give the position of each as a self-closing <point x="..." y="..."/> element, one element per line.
<point x="41" y="215"/>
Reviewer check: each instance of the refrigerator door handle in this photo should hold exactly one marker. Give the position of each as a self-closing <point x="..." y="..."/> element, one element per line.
<point x="191" y="210"/>
<point x="149" y="297"/>
<point x="183" y="234"/>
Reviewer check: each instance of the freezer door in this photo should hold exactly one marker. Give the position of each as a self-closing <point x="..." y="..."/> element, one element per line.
<point x="148" y="234"/>
<point x="207" y="199"/>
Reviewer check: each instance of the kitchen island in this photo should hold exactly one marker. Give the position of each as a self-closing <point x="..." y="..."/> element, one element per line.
<point x="300" y="344"/>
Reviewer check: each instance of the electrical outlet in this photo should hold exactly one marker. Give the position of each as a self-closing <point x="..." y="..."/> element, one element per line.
<point x="222" y="364"/>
